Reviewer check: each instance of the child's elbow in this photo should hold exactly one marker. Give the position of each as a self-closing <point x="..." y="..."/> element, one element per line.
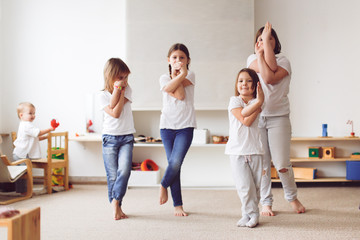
<point x="181" y="97"/>
<point x="269" y="80"/>
<point x="247" y="123"/>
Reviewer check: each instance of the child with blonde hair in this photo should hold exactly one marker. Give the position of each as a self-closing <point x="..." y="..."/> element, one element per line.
<point x="27" y="143"/>
<point x="117" y="134"/>
<point x="28" y="136"/>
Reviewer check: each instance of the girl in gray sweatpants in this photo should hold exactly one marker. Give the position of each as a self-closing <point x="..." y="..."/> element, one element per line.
<point x="244" y="145"/>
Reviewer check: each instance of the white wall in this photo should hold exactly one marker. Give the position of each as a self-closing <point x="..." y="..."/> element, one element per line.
<point x="1" y="82"/>
<point x="218" y="35"/>
<point x="53" y="53"/>
<point x="321" y="41"/>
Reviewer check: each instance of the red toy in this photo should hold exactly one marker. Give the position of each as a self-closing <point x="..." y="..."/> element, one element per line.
<point x="54" y="124"/>
<point x="149" y="165"/>
<point x="88" y="126"/>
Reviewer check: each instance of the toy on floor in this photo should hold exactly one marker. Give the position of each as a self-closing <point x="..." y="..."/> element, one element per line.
<point x="54" y="123"/>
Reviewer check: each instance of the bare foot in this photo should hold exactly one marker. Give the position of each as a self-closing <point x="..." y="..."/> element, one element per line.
<point x="267" y="211"/>
<point x="297" y="206"/>
<point x="179" y="212"/>
<point x="118" y="213"/>
<point x="163" y="195"/>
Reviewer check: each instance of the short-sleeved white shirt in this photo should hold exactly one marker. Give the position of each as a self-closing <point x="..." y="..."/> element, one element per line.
<point x="243" y="140"/>
<point x="117" y="126"/>
<point x="178" y="114"/>
<point x="276" y="101"/>
<point x="27" y="141"/>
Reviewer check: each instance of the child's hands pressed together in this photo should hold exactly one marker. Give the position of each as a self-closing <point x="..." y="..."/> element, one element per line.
<point x="183" y="69"/>
<point x="259" y="93"/>
<point x="266" y="34"/>
<point x="177" y="66"/>
<point x="120" y="84"/>
<point x="259" y="49"/>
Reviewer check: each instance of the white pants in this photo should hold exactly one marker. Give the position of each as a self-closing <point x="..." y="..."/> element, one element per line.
<point x="247" y="171"/>
<point x="276" y="137"/>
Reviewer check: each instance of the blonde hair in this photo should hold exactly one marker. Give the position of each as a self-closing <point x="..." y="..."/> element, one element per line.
<point x="22" y="106"/>
<point x="113" y="68"/>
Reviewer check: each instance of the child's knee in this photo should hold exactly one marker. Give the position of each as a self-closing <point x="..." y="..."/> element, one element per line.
<point x="283" y="170"/>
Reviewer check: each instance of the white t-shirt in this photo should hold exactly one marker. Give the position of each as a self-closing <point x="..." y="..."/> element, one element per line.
<point x="178" y="114"/>
<point x="117" y="126"/>
<point x="27" y="141"/>
<point x="243" y="140"/>
<point x="276" y="101"/>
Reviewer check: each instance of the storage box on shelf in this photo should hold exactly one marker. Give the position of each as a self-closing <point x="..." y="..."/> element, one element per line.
<point x="352" y="170"/>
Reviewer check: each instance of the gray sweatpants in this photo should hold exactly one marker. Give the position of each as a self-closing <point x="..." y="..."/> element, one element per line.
<point x="276" y="137"/>
<point x="247" y="171"/>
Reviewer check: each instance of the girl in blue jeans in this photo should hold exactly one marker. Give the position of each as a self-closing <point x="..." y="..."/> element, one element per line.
<point x="118" y="128"/>
<point x="177" y="121"/>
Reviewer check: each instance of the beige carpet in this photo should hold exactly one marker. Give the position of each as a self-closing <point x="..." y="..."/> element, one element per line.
<point x="84" y="213"/>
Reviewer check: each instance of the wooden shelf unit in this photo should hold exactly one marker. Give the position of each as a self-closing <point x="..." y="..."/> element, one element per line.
<point x="337" y="142"/>
<point x="299" y="143"/>
<point x="335" y="179"/>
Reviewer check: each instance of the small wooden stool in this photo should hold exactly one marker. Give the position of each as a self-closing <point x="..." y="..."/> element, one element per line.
<point x="23" y="226"/>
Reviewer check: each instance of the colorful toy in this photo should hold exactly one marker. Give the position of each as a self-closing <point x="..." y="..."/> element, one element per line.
<point x="54" y="123"/>
<point x="88" y="126"/>
<point x="57" y="177"/>
<point x="324" y="130"/>
<point x="314" y="152"/>
<point x="149" y="165"/>
<point x="352" y="134"/>
<point x="328" y="152"/>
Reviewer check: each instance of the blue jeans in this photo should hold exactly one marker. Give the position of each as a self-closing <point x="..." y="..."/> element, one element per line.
<point x="176" y="143"/>
<point x="117" y="154"/>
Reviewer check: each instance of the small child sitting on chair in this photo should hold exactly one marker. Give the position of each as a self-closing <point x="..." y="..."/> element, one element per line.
<point x="28" y="136"/>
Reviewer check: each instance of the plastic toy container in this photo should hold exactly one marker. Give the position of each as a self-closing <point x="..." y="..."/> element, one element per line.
<point x="352" y="170"/>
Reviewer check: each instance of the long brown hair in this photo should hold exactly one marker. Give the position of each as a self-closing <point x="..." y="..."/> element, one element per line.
<point x="181" y="47"/>
<point x="254" y="77"/>
<point x="113" y="68"/>
<point x="277" y="48"/>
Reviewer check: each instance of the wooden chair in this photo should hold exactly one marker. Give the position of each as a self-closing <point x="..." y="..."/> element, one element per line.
<point x="11" y="172"/>
<point x="13" y="137"/>
<point x="57" y="144"/>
